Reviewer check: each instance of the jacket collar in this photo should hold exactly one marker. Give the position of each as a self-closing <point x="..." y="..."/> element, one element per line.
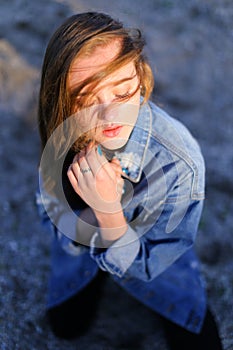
<point x="132" y="156"/>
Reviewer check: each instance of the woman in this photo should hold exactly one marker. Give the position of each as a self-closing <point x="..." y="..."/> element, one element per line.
<point x="121" y="184"/>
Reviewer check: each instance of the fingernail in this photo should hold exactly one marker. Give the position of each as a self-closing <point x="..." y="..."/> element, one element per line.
<point x="99" y="150"/>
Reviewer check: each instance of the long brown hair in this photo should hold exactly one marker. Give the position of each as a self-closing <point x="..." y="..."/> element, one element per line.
<point x="77" y="35"/>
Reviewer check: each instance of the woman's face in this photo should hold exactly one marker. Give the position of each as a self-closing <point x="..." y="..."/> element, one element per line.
<point x="110" y="114"/>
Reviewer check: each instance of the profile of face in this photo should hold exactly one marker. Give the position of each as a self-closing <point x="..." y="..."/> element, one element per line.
<point x="113" y="107"/>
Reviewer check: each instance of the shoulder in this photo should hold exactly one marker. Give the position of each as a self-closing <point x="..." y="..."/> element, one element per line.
<point x="173" y="135"/>
<point x="172" y="140"/>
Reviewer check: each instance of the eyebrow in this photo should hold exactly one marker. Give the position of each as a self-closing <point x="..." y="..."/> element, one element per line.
<point x="126" y="79"/>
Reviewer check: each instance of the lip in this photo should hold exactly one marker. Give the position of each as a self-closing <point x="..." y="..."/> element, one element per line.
<point x="112" y="131"/>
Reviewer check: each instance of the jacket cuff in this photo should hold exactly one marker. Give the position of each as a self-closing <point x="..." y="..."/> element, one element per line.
<point x="117" y="258"/>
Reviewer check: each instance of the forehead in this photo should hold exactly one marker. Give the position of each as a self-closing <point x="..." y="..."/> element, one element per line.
<point x="85" y="66"/>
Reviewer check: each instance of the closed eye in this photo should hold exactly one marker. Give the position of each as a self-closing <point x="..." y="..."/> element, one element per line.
<point x="122" y="96"/>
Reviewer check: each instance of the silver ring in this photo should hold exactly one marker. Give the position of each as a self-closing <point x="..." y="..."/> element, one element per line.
<point x="83" y="171"/>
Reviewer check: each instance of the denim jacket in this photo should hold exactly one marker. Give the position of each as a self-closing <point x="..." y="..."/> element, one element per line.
<point x="154" y="260"/>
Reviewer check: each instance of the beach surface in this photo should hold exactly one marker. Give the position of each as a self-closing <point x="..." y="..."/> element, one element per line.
<point x="189" y="46"/>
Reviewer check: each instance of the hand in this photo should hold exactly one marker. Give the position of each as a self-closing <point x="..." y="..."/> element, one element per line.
<point x="97" y="181"/>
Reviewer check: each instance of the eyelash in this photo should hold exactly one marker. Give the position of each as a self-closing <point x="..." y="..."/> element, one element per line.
<point x="123" y="96"/>
<point x="118" y="97"/>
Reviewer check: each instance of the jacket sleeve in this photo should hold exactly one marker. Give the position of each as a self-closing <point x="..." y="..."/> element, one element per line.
<point x="50" y="226"/>
<point x="147" y="255"/>
<point x="72" y="228"/>
<point x="160" y="249"/>
<point x="157" y="239"/>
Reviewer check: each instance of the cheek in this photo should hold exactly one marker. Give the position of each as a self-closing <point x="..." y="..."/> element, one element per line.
<point x="129" y="113"/>
<point x="86" y="120"/>
<point x="136" y="98"/>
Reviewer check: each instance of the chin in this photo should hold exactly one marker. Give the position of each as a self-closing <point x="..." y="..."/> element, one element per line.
<point x="114" y="143"/>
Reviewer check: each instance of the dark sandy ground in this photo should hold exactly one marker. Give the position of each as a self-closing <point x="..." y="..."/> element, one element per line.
<point x="189" y="44"/>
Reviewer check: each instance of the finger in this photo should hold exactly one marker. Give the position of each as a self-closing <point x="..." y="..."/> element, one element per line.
<point x="120" y="186"/>
<point x="82" y="162"/>
<point x="79" y="156"/>
<point x="100" y="155"/>
<point x="95" y="160"/>
<point x="80" y="167"/>
<point x="117" y="169"/>
<point x="105" y="163"/>
<point x="117" y="166"/>
<point x="73" y="180"/>
<point x="116" y="161"/>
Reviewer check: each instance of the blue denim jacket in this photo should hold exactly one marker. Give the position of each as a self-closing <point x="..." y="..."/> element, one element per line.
<point x="154" y="260"/>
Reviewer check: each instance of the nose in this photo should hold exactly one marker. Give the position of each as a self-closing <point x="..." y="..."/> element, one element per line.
<point x="110" y="114"/>
<point x="107" y="107"/>
<point x="107" y="112"/>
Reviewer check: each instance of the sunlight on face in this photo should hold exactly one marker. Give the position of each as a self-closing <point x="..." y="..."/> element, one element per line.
<point x="110" y="115"/>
